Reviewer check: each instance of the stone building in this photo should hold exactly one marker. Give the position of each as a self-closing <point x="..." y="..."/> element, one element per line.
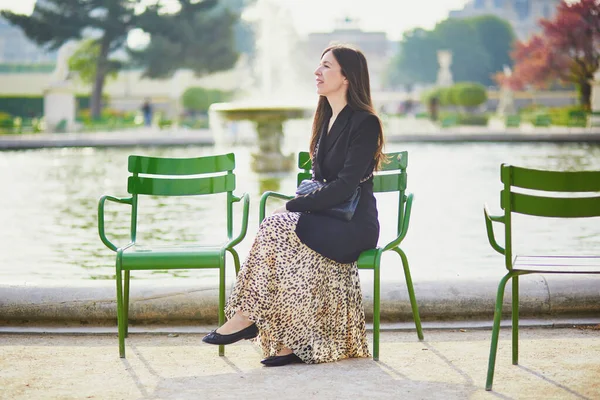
<point x="375" y="45"/>
<point x="16" y="48"/>
<point x="523" y="15"/>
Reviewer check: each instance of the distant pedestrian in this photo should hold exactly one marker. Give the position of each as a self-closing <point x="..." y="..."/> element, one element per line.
<point x="147" y="111"/>
<point x="408" y="106"/>
<point x="433" y="108"/>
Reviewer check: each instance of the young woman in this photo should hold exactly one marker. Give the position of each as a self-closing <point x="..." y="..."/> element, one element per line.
<point x="299" y="288"/>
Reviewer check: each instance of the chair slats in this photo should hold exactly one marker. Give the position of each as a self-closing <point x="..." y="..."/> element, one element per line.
<point x="554" y="181"/>
<point x="181" y="166"/>
<point x="381" y="183"/>
<point x="389" y="182"/>
<point x="180" y="187"/>
<point x="304" y="161"/>
<point x="558" y="264"/>
<point x="556" y="207"/>
<point x="397" y="161"/>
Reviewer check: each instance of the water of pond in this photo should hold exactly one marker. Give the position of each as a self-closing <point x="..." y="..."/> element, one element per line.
<point x="49" y="201"/>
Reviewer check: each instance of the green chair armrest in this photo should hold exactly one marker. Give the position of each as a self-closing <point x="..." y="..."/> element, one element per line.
<point x="101" y="232"/>
<point x="405" y="223"/>
<point x="263" y="202"/>
<point x="490" y="230"/>
<point x="369" y="258"/>
<point x="244" y="228"/>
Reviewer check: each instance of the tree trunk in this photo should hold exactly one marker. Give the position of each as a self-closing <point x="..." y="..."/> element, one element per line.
<point x="101" y="69"/>
<point x="585" y="94"/>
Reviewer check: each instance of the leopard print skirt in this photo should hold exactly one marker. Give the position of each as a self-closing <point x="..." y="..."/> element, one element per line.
<point x="298" y="298"/>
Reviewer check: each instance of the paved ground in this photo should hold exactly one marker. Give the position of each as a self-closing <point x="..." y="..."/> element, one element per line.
<point x="449" y="364"/>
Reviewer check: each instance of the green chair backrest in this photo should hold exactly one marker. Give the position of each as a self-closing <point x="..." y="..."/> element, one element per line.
<point x="542" y="120"/>
<point x="390" y="178"/>
<point x="513" y="120"/>
<point x="577" y="118"/>
<point x="544" y="205"/>
<point x="449" y="121"/>
<point x="167" y="177"/>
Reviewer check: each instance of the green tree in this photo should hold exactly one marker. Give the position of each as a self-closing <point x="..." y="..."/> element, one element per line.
<point x="497" y="37"/>
<point x="243" y="30"/>
<point x="83" y="62"/>
<point x="199" y="99"/>
<point x="470" y="60"/>
<point x="480" y="47"/>
<point x="567" y="51"/>
<point x="195" y="35"/>
<point x="416" y="59"/>
<point x="203" y="42"/>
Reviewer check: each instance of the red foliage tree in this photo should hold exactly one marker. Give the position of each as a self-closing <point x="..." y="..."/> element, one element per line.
<point x="568" y="50"/>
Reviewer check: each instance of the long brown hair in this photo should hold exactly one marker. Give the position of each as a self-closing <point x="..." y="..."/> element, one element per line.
<point x="355" y="70"/>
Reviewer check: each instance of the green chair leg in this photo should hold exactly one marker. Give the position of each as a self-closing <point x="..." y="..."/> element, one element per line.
<point x="411" y="293"/>
<point x="496" y="331"/>
<point x="120" y="313"/>
<point x="126" y="303"/>
<point x="515" y="320"/>
<point x="222" y="300"/>
<point x="236" y="260"/>
<point x="376" y="308"/>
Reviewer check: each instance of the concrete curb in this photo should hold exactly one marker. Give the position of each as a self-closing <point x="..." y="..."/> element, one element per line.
<point x="204" y="138"/>
<point x="197" y="302"/>
<point x="496" y="137"/>
<point x="129" y="139"/>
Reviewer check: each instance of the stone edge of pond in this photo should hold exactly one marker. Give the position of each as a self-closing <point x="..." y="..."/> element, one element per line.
<point x="204" y="138"/>
<point x="93" y="303"/>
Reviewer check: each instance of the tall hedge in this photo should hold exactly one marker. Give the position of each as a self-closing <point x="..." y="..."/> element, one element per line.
<point x="463" y="94"/>
<point x="468" y="94"/>
<point x="198" y="99"/>
<point x="32" y="106"/>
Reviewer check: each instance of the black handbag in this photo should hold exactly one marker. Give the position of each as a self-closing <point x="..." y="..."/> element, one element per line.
<point x="344" y="210"/>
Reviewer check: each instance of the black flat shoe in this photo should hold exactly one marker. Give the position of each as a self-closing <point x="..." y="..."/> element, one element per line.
<point x="216" y="338"/>
<point x="278" y="361"/>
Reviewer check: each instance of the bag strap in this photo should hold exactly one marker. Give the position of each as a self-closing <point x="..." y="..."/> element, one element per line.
<point x="363" y="180"/>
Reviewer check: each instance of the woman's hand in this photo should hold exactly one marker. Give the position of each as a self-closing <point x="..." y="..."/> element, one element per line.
<point x="280" y="210"/>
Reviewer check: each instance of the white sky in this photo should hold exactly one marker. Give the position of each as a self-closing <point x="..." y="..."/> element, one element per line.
<point x="391" y="16"/>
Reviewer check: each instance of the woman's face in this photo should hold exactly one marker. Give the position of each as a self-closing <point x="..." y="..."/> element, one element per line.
<point x="329" y="76"/>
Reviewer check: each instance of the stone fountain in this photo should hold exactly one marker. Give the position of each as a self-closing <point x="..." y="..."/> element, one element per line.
<point x="273" y="97"/>
<point x="268" y="121"/>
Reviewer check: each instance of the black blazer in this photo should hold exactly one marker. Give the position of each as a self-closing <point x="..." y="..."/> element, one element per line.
<point x="344" y="157"/>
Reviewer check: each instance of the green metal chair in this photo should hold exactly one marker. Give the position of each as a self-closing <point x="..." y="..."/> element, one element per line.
<point x="167" y="177"/>
<point x="537" y="204"/>
<point x="542" y="120"/>
<point x="391" y="178"/>
<point x="512" y="121"/>
<point x="577" y="118"/>
<point x="449" y="121"/>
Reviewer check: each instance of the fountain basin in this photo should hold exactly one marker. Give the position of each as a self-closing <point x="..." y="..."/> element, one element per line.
<point x="268" y="122"/>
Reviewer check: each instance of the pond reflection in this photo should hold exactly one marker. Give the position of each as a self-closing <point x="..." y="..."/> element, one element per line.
<point x="49" y="209"/>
